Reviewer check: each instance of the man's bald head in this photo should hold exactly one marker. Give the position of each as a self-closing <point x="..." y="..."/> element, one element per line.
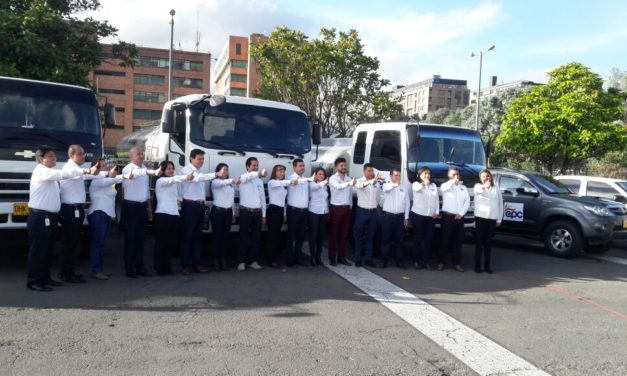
<point x="136" y="155"/>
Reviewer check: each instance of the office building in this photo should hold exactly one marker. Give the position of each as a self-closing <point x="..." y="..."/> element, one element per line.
<point x="235" y="72"/>
<point x="431" y="95"/>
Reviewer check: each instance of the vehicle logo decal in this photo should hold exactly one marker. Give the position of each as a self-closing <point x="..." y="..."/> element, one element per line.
<point x="26" y="153"/>
<point x="513" y="212"/>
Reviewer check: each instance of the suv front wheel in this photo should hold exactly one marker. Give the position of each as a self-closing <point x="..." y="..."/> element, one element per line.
<point x="563" y="239"/>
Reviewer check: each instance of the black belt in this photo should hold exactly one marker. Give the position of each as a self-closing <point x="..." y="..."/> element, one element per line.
<point x="220" y="208"/>
<point x="136" y="203"/>
<point x="196" y="202"/>
<point x="368" y="210"/>
<point x="295" y="208"/>
<point x="77" y="206"/>
<point x="393" y="214"/>
<point x="341" y="206"/>
<point x="249" y="209"/>
<point x="41" y="211"/>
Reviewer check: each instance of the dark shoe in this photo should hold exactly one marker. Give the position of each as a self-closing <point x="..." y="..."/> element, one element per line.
<point x="459" y="268"/>
<point x="417" y="265"/>
<point x="489" y="271"/>
<point x="222" y="264"/>
<point x="400" y="265"/>
<point x="298" y="262"/>
<point x="274" y="264"/>
<point x="201" y="269"/>
<point x="131" y="275"/>
<point x="72" y="278"/>
<point x="39" y="287"/>
<point x="318" y="261"/>
<point x="384" y="264"/>
<point x="440" y="267"/>
<point x="478" y="269"/>
<point x="370" y="263"/>
<point x="332" y="262"/>
<point x="358" y="263"/>
<point x="143" y="273"/>
<point x="344" y="261"/>
<point x="54" y="283"/>
<point x="186" y="271"/>
<point x="312" y="261"/>
<point x="426" y="266"/>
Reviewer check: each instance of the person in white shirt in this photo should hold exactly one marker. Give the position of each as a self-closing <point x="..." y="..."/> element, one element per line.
<point x="223" y="192"/>
<point x="166" y="218"/>
<point x="72" y="214"/>
<point x="102" y="194"/>
<point x="297" y="204"/>
<point x="341" y="201"/>
<point x="424" y="211"/>
<point x="318" y="214"/>
<point x="44" y="204"/>
<point x="252" y="214"/>
<point x="488" y="216"/>
<point x="366" y="216"/>
<point x="455" y="204"/>
<point x="395" y="218"/>
<point x="276" y="213"/>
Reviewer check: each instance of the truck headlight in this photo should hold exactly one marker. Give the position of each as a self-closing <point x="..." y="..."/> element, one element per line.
<point x="599" y="210"/>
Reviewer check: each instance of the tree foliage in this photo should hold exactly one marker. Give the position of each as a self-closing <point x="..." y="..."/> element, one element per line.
<point x="330" y="78"/>
<point x="563" y="123"/>
<point x="44" y="40"/>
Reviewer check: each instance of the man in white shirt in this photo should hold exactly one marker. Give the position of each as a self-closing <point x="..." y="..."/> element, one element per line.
<point x="395" y="218"/>
<point x="366" y="216"/>
<point x="252" y="214"/>
<point x="72" y="214"/>
<point x="341" y="189"/>
<point x="297" y="205"/>
<point x="455" y="204"/>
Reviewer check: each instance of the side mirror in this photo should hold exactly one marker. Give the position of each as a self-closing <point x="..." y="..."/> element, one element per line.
<point x="181" y="160"/>
<point x="529" y="191"/>
<point x="316" y="136"/>
<point x="109" y="115"/>
<point x="167" y="121"/>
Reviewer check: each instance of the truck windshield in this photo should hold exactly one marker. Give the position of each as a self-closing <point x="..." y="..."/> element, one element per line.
<point x="250" y="128"/>
<point x="447" y="148"/>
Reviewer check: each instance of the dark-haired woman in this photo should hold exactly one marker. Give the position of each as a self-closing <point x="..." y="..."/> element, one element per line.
<point x="488" y="215"/>
<point x="318" y="214"/>
<point x="222" y="214"/>
<point x="424" y="211"/>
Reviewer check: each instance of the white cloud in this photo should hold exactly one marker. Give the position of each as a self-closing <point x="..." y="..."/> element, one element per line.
<point x="578" y="43"/>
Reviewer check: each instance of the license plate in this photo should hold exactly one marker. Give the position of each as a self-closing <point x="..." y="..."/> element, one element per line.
<point x="625" y="223"/>
<point x="20" y="210"/>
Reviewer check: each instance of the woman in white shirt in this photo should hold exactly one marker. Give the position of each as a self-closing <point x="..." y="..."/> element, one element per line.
<point x="424" y="211"/>
<point x="318" y="214"/>
<point x="222" y="214"/>
<point x="276" y="215"/>
<point x="488" y="215"/>
<point x="102" y="194"/>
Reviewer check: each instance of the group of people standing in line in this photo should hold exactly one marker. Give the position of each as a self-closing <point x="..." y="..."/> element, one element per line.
<point x="309" y="205"/>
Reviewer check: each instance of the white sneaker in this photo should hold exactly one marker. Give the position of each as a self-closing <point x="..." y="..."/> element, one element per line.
<point x="255" y="266"/>
<point x="241" y="267"/>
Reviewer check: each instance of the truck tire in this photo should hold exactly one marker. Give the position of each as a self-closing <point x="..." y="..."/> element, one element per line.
<point x="599" y="248"/>
<point x="563" y="239"/>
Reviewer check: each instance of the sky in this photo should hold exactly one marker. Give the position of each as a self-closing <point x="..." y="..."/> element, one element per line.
<point x="413" y="40"/>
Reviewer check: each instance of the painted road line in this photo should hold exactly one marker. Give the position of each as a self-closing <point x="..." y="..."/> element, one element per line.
<point x="475" y="350"/>
<point x="617" y="260"/>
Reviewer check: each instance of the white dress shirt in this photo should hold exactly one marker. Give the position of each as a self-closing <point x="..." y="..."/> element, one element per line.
<point x="44" y="187"/>
<point x="195" y="190"/>
<point x="367" y="193"/>
<point x="223" y="193"/>
<point x="318" y="197"/>
<point x="426" y="200"/>
<point x="102" y="194"/>
<point x="455" y="198"/>
<point x="166" y="190"/>
<point x="277" y="192"/>
<point x="73" y="190"/>
<point x="396" y="199"/>
<point x="251" y="194"/>
<point x="488" y="202"/>
<point x="298" y="195"/>
<point x="341" y="190"/>
<point x="136" y="189"/>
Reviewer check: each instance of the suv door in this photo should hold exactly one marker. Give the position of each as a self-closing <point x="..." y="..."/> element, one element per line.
<point x="522" y="203"/>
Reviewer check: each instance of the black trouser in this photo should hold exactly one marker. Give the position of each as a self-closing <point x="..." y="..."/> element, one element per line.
<point x="42" y="232"/>
<point x="249" y="235"/>
<point x="452" y="237"/>
<point x="423" y="227"/>
<point x="317" y="234"/>
<point x="71" y="217"/>
<point x="192" y="217"/>
<point x="392" y="235"/>
<point x="483" y="241"/>
<point x="221" y="219"/>
<point x="166" y="227"/>
<point x="296" y="232"/>
<point x="135" y="219"/>
<point x="274" y="218"/>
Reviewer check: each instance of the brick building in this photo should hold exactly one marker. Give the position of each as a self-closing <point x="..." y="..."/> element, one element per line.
<point x="235" y="72"/>
<point x="432" y="94"/>
<point x="139" y="93"/>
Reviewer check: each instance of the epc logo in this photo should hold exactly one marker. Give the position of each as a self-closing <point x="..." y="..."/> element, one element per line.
<point x="513" y="212"/>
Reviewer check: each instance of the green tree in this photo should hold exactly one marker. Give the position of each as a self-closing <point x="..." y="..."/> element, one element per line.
<point x="330" y="78"/>
<point x="563" y="123"/>
<point x="42" y="39"/>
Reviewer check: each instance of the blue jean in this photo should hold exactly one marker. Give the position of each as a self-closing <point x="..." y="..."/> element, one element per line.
<point x="99" y="223"/>
<point x="366" y="221"/>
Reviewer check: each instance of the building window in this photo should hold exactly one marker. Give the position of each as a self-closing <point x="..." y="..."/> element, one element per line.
<point x="148" y="79"/>
<point x="239" y="63"/>
<point x="188" y="65"/>
<point x="238" y="48"/>
<point x="156" y="62"/>
<point x="147" y="96"/>
<point x="109" y="73"/>
<point x="187" y="82"/>
<point x="238" y="77"/>
<point x="238" y="92"/>
<point x="141" y="114"/>
<point x="111" y="91"/>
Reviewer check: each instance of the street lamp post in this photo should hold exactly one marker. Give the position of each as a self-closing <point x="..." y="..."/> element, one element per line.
<point x="472" y="54"/>
<point x="172" y="13"/>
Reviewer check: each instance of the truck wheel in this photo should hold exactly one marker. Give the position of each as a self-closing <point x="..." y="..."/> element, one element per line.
<point x="598" y="249"/>
<point x="563" y="239"/>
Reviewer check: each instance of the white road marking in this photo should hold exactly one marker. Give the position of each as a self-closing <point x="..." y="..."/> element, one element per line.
<point x="617" y="260"/>
<point x="475" y="350"/>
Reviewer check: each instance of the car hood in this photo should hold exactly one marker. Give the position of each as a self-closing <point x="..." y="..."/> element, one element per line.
<point x="585" y="200"/>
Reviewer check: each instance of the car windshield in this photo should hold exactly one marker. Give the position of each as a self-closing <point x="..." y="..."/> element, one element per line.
<point x="623" y="185"/>
<point x="550" y="185"/>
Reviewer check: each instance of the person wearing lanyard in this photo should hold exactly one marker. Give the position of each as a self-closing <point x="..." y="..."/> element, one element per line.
<point x="222" y="213"/>
<point x="366" y="217"/>
<point x="488" y="215"/>
<point x="455" y="204"/>
<point x="340" y="186"/>
<point x="44" y="204"/>
<point x="297" y="204"/>
<point x="252" y="214"/>
<point x="395" y="218"/>
<point x="136" y="212"/>
<point x="276" y="213"/>
<point x="193" y="213"/>
<point x="102" y="194"/>
<point x="425" y="209"/>
<point x="166" y="220"/>
<point x="72" y="214"/>
<point x="318" y="214"/>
